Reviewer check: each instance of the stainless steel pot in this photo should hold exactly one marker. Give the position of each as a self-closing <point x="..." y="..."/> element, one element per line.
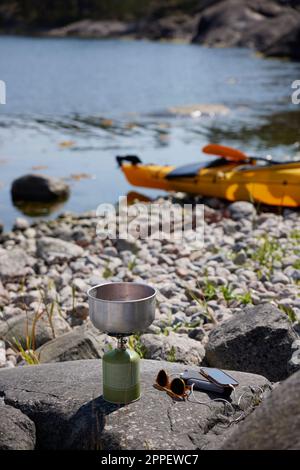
<point x="122" y="308"/>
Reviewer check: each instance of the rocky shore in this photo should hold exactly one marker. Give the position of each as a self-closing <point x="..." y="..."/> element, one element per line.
<point x="271" y="27"/>
<point x="233" y="304"/>
<point x="249" y="260"/>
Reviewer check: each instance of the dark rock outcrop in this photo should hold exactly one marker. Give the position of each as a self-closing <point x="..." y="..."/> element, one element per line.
<point x="64" y="401"/>
<point x="275" y="424"/>
<point x="268" y="26"/>
<point x="17" y="431"/>
<point x="258" y="340"/>
<point x="39" y="188"/>
<point x="287" y="44"/>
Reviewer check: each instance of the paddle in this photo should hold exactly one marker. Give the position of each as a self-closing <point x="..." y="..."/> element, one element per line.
<point x="234" y="155"/>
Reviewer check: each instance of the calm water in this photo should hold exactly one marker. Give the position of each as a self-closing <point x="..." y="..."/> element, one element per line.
<point x="72" y="105"/>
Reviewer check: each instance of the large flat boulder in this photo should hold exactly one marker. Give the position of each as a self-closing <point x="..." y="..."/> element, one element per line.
<point x="65" y="402"/>
<point x="258" y="340"/>
<point x="17" y="431"/>
<point x="275" y="424"/>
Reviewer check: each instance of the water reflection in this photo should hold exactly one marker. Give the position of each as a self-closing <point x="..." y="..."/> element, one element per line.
<point x="39" y="209"/>
<point x="277" y="129"/>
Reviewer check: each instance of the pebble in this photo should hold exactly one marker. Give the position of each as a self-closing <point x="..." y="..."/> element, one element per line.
<point x="21" y="224"/>
<point x="279" y="278"/>
<point x="2" y="354"/>
<point x="240" y="258"/>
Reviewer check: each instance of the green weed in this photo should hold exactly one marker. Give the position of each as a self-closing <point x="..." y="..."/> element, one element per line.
<point x="171" y="356"/>
<point x="107" y="272"/>
<point x="135" y="344"/>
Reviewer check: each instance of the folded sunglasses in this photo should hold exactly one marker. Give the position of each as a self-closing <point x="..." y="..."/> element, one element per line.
<point x="176" y="388"/>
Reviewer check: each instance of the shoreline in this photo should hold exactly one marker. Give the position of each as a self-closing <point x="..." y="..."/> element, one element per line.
<point x="270" y="28"/>
<point x="179" y="40"/>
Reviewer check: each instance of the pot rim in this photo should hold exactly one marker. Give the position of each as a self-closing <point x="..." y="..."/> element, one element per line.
<point x="143" y="299"/>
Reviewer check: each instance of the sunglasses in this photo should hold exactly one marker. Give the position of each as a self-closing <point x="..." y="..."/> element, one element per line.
<point x="176" y="387"/>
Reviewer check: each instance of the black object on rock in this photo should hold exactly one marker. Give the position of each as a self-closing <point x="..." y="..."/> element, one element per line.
<point x="39" y="188"/>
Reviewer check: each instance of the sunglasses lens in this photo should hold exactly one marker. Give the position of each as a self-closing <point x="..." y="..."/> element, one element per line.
<point x="162" y="378"/>
<point x="178" y="386"/>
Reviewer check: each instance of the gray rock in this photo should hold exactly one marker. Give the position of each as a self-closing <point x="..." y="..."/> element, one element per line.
<point x="21" y="224"/>
<point x="80" y="311"/>
<point x="294" y="362"/>
<point x="78" y="344"/>
<point x="257" y="340"/>
<point x="197" y="333"/>
<point x="174" y="347"/>
<point x="21" y="327"/>
<point x="110" y="251"/>
<point x="275" y="424"/>
<point x="241" y="210"/>
<point x="52" y="249"/>
<point x="123" y="244"/>
<point x="39" y="188"/>
<point x="91" y="28"/>
<point x="80" y="285"/>
<point x="287" y="43"/>
<point x="2" y="353"/>
<point x="271" y="27"/>
<point x="279" y="278"/>
<point x="240" y="258"/>
<point x="14" y="263"/>
<point x="4" y="295"/>
<point x="17" y="431"/>
<point x="64" y="400"/>
<point x="168" y="290"/>
<point x="10" y="311"/>
<point x="25" y="300"/>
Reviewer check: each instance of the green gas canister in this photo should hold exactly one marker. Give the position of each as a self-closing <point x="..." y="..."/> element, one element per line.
<point x="121" y="374"/>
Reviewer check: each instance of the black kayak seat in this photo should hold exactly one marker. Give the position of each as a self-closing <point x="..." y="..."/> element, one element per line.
<point x="192" y="170"/>
<point x="133" y="159"/>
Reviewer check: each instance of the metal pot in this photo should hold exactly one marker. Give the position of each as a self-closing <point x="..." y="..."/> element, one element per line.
<point x="122" y="308"/>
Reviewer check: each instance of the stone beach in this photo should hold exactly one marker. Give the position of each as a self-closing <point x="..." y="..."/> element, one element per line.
<point x="248" y="259"/>
<point x="233" y="303"/>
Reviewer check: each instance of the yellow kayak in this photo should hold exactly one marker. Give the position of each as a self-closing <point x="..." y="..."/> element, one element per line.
<point x="277" y="185"/>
